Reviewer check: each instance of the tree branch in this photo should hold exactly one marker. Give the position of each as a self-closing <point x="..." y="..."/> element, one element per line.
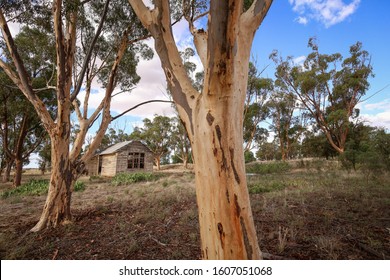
<point x="22" y="78"/>
<point x="138" y="105"/>
<point x="254" y="16"/>
<point x="89" y="53"/>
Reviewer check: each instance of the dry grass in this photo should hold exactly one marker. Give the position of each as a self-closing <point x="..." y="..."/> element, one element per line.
<point x="306" y="213"/>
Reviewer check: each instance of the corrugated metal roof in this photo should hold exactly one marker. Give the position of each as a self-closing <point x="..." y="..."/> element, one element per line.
<point x="114" y="148"/>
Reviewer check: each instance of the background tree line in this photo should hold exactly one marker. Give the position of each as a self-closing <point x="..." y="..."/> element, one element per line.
<point x="277" y="125"/>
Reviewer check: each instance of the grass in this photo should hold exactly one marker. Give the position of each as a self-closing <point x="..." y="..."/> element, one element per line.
<point x="33" y="187"/>
<point x="268" y="168"/>
<point x="299" y="213"/>
<point x="131" y="178"/>
<point x="36" y="187"/>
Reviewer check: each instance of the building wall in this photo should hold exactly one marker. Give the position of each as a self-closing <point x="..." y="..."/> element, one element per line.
<point x="109" y="164"/>
<point x="135" y="147"/>
<point x="93" y="166"/>
<point x="112" y="164"/>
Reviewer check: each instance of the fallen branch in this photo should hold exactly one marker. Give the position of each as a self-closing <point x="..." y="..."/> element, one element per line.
<point x="158" y="242"/>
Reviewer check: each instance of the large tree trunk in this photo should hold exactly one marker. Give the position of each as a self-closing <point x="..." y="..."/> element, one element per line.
<point x="214" y="118"/>
<point x="226" y="224"/>
<point x="57" y="207"/>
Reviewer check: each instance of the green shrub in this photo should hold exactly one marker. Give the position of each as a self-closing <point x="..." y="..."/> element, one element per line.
<point x="33" y="187"/>
<point x="79" y="186"/>
<point x="268" y="168"/>
<point x="131" y="178"/>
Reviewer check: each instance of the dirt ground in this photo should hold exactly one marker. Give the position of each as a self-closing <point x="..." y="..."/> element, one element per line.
<point x="158" y="220"/>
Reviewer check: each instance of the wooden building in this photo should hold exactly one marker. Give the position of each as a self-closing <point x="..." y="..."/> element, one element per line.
<point x="128" y="156"/>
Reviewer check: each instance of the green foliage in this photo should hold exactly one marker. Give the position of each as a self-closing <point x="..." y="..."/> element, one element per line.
<point x="37" y="187"/>
<point x="268" y="168"/>
<point x="157" y="134"/>
<point x="131" y="178"/>
<point x="255" y="110"/>
<point x="33" y="187"/>
<point x="367" y="150"/>
<point x="316" y="145"/>
<point x="266" y="187"/>
<point x="328" y="86"/>
<point x="249" y="156"/>
<point x="79" y="186"/>
<point x="267" y="151"/>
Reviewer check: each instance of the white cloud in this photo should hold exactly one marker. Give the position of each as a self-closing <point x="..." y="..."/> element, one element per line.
<point x="328" y="12"/>
<point x="299" y="60"/>
<point x="379" y="120"/>
<point x="152" y="85"/>
<point x="302" y="20"/>
<point x="383" y="105"/>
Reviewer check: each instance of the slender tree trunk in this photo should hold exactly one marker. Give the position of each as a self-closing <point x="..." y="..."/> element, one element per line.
<point x="57" y="207"/>
<point x="18" y="172"/>
<point x="7" y="171"/>
<point x="158" y="161"/>
<point x="185" y="162"/>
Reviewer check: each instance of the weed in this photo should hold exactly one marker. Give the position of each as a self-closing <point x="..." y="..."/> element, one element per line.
<point x="131" y="178"/>
<point x="328" y="245"/>
<point x="33" y="187"/>
<point x="282" y="238"/>
<point x="165" y="184"/>
<point x="79" y="186"/>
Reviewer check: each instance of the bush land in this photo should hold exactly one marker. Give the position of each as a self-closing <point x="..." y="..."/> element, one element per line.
<point x="314" y="212"/>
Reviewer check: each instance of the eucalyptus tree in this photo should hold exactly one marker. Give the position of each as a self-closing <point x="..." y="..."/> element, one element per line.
<point x="93" y="40"/>
<point x="22" y="130"/>
<point x="181" y="144"/>
<point x="329" y="87"/>
<point x="213" y="117"/>
<point x="286" y="125"/>
<point x="256" y="109"/>
<point x="157" y="135"/>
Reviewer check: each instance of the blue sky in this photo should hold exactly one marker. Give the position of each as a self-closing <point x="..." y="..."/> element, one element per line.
<point x="290" y="23"/>
<point x="337" y="24"/>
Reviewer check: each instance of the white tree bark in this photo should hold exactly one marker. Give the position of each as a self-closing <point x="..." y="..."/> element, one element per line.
<point x="214" y="118"/>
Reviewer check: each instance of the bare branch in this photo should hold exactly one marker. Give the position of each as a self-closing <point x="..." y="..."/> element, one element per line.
<point x="89" y="53"/>
<point x="138" y="105"/>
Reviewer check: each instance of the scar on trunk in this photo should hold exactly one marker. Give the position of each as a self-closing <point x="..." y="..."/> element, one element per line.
<point x="248" y="246"/>
<point x="236" y="176"/>
<point x="169" y="76"/>
<point x="210" y="118"/>
<point x="238" y="208"/>
<point x="219" y="135"/>
<point x="221" y="234"/>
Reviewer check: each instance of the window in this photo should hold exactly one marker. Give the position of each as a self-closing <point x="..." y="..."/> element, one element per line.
<point x="136" y="161"/>
<point x="142" y="161"/>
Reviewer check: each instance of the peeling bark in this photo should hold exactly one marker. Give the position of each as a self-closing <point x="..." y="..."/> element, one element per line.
<point x="57" y="206"/>
<point x="214" y="118"/>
